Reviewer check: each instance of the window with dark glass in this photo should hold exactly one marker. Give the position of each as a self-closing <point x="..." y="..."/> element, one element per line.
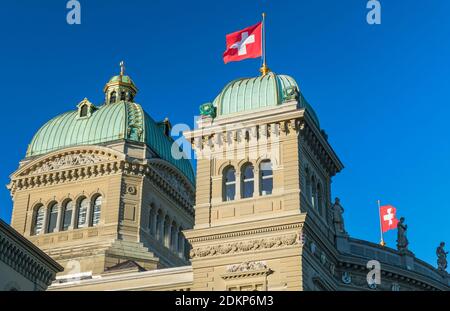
<point x="229" y="184"/>
<point x="266" y="182"/>
<point x="52" y="218"/>
<point x="313" y="193"/>
<point x="84" y="111"/>
<point x="112" y="98"/>
<point x="96" y="211"/>
<point x="248" y="181"/>
<point x="131" y="98"/>
<point x="83" y="206"/>
<point x="123" y="95"/>
<point x="67" y="219"/>
<point x="38" y="224"/>
<point x="319" y="199"/>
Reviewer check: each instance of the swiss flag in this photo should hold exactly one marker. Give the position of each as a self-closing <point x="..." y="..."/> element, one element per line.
<point x="245" y="43"/>
<point x="388" y="218"/>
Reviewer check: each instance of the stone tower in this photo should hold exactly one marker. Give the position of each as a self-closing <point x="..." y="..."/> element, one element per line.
<point x="263" y="217"/>
<point x="99" y="190"/>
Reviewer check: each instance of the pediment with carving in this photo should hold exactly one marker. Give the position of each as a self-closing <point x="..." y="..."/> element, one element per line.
<point x="67" y="159"/>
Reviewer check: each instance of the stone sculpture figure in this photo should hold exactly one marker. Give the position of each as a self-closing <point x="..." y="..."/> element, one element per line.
<point x="402" y="240"/>
<point x="441" y="257"/>
<point x="338" y="217"/>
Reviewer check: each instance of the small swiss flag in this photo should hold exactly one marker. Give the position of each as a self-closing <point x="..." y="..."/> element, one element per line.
<point x="243" y="44"/>
<point x="388" y="218"/>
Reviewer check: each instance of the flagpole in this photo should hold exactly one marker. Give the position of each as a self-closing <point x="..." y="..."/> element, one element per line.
<point x="382" y="243"/>
<point x="264" y="69"/>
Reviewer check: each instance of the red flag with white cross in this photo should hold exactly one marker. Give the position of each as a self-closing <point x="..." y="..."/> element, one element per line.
<point x="243" y="44"/>
<point x="388" y="218"/>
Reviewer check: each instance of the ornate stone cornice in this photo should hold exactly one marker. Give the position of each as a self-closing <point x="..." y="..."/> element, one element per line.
<point x="244" y="233"/>
<point x="23" y="262"/>
<point x="74" y="165"/>
<point x="246" y="269"/>
<point x="316" y="145"/>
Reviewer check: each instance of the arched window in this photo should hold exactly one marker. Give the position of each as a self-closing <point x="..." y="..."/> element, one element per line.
<point x="229" y="176"/>
<point x="97" y="208"/>
<point x="308" y="184"/>
<point x="67" y="218"/>
<point x="174" y="237"/>
<point x="167" y="236"/>
<point x="313" y="193"/>
<point x="151" y="214"/>
<point x="130" y="96"/>
<point x="319" y="199"/>
<point x="248" y="181"/>
<point x="180" y="242"/>
<point x="38" y="220"/>
<point x="159" y="227"/>
<point x="84" y="111"/>
<point x="266" y="182"/>
<point x="82" y="209"/>
<point x="52" y="217"/>
<point x="123" y="95"/>
<point x="112" y="98"/>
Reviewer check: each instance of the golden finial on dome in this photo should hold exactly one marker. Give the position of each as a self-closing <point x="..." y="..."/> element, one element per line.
<point x="122" y="68"/>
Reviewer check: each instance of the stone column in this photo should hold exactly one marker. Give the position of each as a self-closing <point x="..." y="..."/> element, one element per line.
<point x="58" y="219"/>
<point x="238" y="184"/>
<point x="74" y="216"/>
<point x="45" y="223"/>
<point x="256" y="184"/>
<point x="88" y="215"/>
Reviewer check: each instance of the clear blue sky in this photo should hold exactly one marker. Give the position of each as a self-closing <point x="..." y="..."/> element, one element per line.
<point x="381" y="92"/>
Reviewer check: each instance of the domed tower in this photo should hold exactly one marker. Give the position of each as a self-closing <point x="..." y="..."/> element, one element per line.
<point x="99" y="189"/>
<point x="263" y="209"/>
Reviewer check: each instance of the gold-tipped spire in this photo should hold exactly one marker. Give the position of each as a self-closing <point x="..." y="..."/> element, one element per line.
<point x="122" y="68"/>
<point x="264" y="69"/>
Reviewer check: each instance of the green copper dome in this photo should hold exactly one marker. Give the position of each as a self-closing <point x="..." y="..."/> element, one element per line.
<point x="119" y="78"/>
<point x="118" y="121"/>
<point x="270" y="90"/>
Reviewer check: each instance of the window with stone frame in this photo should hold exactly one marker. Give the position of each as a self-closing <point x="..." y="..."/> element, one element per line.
<point x="52" y="217"/>
<point x="38" y="220"/>
<point x="266" y="177"/>
<point x="229" y="176"/>
<point x="67" y="215"/>
<point x="248" y="181"/>
<point x="96" y="208"/>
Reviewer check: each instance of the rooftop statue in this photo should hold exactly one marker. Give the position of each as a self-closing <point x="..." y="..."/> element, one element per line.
<point x="442" y="257"/>
<point x="338" y="217"/>
<point x="402" y="240"/>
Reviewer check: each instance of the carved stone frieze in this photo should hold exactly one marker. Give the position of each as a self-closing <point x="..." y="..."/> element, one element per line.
<point x="246" y="246"/>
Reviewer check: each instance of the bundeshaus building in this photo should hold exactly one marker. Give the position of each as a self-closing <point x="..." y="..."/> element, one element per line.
<point x="102" y="193"/>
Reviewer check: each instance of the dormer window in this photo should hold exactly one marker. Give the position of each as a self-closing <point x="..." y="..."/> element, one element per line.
<point x="112" y="98"/>
<point x="84" y="111"/>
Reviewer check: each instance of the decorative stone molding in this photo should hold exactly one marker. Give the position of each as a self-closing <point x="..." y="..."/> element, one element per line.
<point x="245" y="246"/>
<point x="246" y="269"/>
<point x="69" y="160"/>
<point x="247" y="266"/>
<point x="130" y="189"/>
<point x="74" y="165"/>
<point x="249" y="232"/>
<point x="15" y="257"/>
